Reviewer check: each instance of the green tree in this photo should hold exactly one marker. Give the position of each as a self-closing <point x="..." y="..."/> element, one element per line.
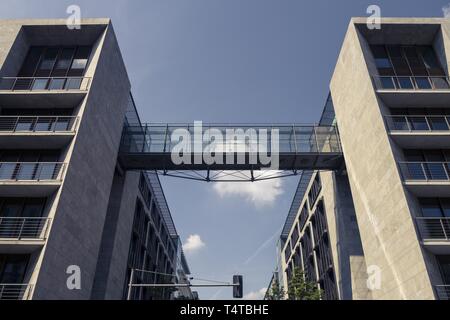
<point x="301" y="289"/>
<point x="276" y="292"/>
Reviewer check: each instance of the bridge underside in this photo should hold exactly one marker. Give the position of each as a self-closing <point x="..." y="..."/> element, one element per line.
<point x="151" y="147"/>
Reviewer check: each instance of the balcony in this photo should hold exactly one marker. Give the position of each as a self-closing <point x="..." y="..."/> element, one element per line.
<point x="416" y="131"/>
<point x="37" y="179"/>
<point x="443" y="292"/>
<point x="27" y="234"/>
<point x="23" y="228"/>
<point x="25" y="132"/>
<point x="15" y="291"/>
<point x="435" y="233"/>
<point x="35" y="92"/>
<point x="426" y="179"/>
<point x="413" y="91"/>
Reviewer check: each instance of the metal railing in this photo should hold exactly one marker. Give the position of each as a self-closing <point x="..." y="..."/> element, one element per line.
<point x="44" y="83"/>
<point x="425" y="171"/>
<point x="15" y="291"/>
<point x="443" y="292"/>
<point x="38" y="123"/>
<point x="31" y="171"/>
<point x="411" y="82"/>
<point x="18" y="228"/>
<point x="431" y="228"/>
<point x="418" y="123"/>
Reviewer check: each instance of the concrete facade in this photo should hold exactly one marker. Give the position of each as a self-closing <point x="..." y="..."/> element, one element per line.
<point x="374" y="213"/>
<point x="91" y="206"/>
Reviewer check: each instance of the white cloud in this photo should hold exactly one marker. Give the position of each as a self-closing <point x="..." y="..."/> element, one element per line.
<point x="256" y="295"/>
<point x="446" y="10"/>
<point x="260" y="193"/>
<point x="193" y="244"/>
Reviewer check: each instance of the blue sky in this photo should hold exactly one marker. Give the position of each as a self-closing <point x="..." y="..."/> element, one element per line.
<point x="228" y="61"/>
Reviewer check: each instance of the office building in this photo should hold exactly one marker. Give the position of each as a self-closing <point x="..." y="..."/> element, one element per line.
<point x="73" y="223"/>
<point x="379" y="227"/>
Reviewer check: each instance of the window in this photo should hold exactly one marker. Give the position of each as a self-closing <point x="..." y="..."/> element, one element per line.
<point x="53" y="62"/>
<point x="12" y="268"/>
<point x="435" y="207"/>
<point x="80" y="61"/>
<point x="18" y="207"/>
<point x="382" y="61"/>
<point x="314" y="191"/>
<point x="410" y="67"/>
<point x="444" y="264"/>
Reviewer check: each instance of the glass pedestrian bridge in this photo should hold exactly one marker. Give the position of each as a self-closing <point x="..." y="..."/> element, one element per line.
<point x="224" y="152"/>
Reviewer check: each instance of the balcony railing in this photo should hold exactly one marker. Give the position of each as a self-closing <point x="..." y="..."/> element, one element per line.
<point x="418" y="123"/>
<point x="14" y="291"/>
<point x="431" y="228"/>
<point x="411" y="82"/>
<point x="37" y="124"/>
<point x="443" y="292"/>
<point x="425" y="171"/>
<point x="44" y="83"/>
<point x="31" y="171"/>
<point x="19" y="228"/>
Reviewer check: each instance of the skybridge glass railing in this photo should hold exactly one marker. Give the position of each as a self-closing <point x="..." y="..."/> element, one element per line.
<point x="296" y="139"/>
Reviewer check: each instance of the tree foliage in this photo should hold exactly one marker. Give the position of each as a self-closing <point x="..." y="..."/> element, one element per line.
<point x="301" y="289"/>
<point x="276" y="292"/>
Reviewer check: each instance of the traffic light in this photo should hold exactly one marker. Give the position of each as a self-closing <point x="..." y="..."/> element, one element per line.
<point x="238" y="287"/>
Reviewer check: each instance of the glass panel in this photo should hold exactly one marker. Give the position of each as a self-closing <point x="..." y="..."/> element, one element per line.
<point x="47" y="171"/>
<point x="23" y="84"/>
<point x="63" y="62"/>
<point x="444" y="263"/>
<point x="63" y="124"/>
<point x="6" y="84"/>
<point x="387" y="82"/>
<point x="440" y="82"/>
<point x="7" y="171"/>
<point x="419" y="123"/>
<point x="74" y="83"/>
<point x="436" y="171"/>
<point x="430" y="207"/>
<point x="405" y="83"/>
<point x="31" y="61"/>
<point x="40" y="84"/>
<point x="446" y="207"/>
<point x="44" y="124"/>
<point x="26" y="171"/>
<point x="415" y="62"/>
<point x="79" y="64"/>
<point x="415" y="171"/>
<point x="423" y="83"/>
<point x="32" y="209"/>
<point x="438" y="123"/>
<point x="400" y="123"/>
<point x="57" y="84"/>
<point x="47" y="62"/>
<point x="25" y="124"/>
<point x="430" y="60"/>
<point x="11" y="209"/>
<point x="14" y="269"/>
